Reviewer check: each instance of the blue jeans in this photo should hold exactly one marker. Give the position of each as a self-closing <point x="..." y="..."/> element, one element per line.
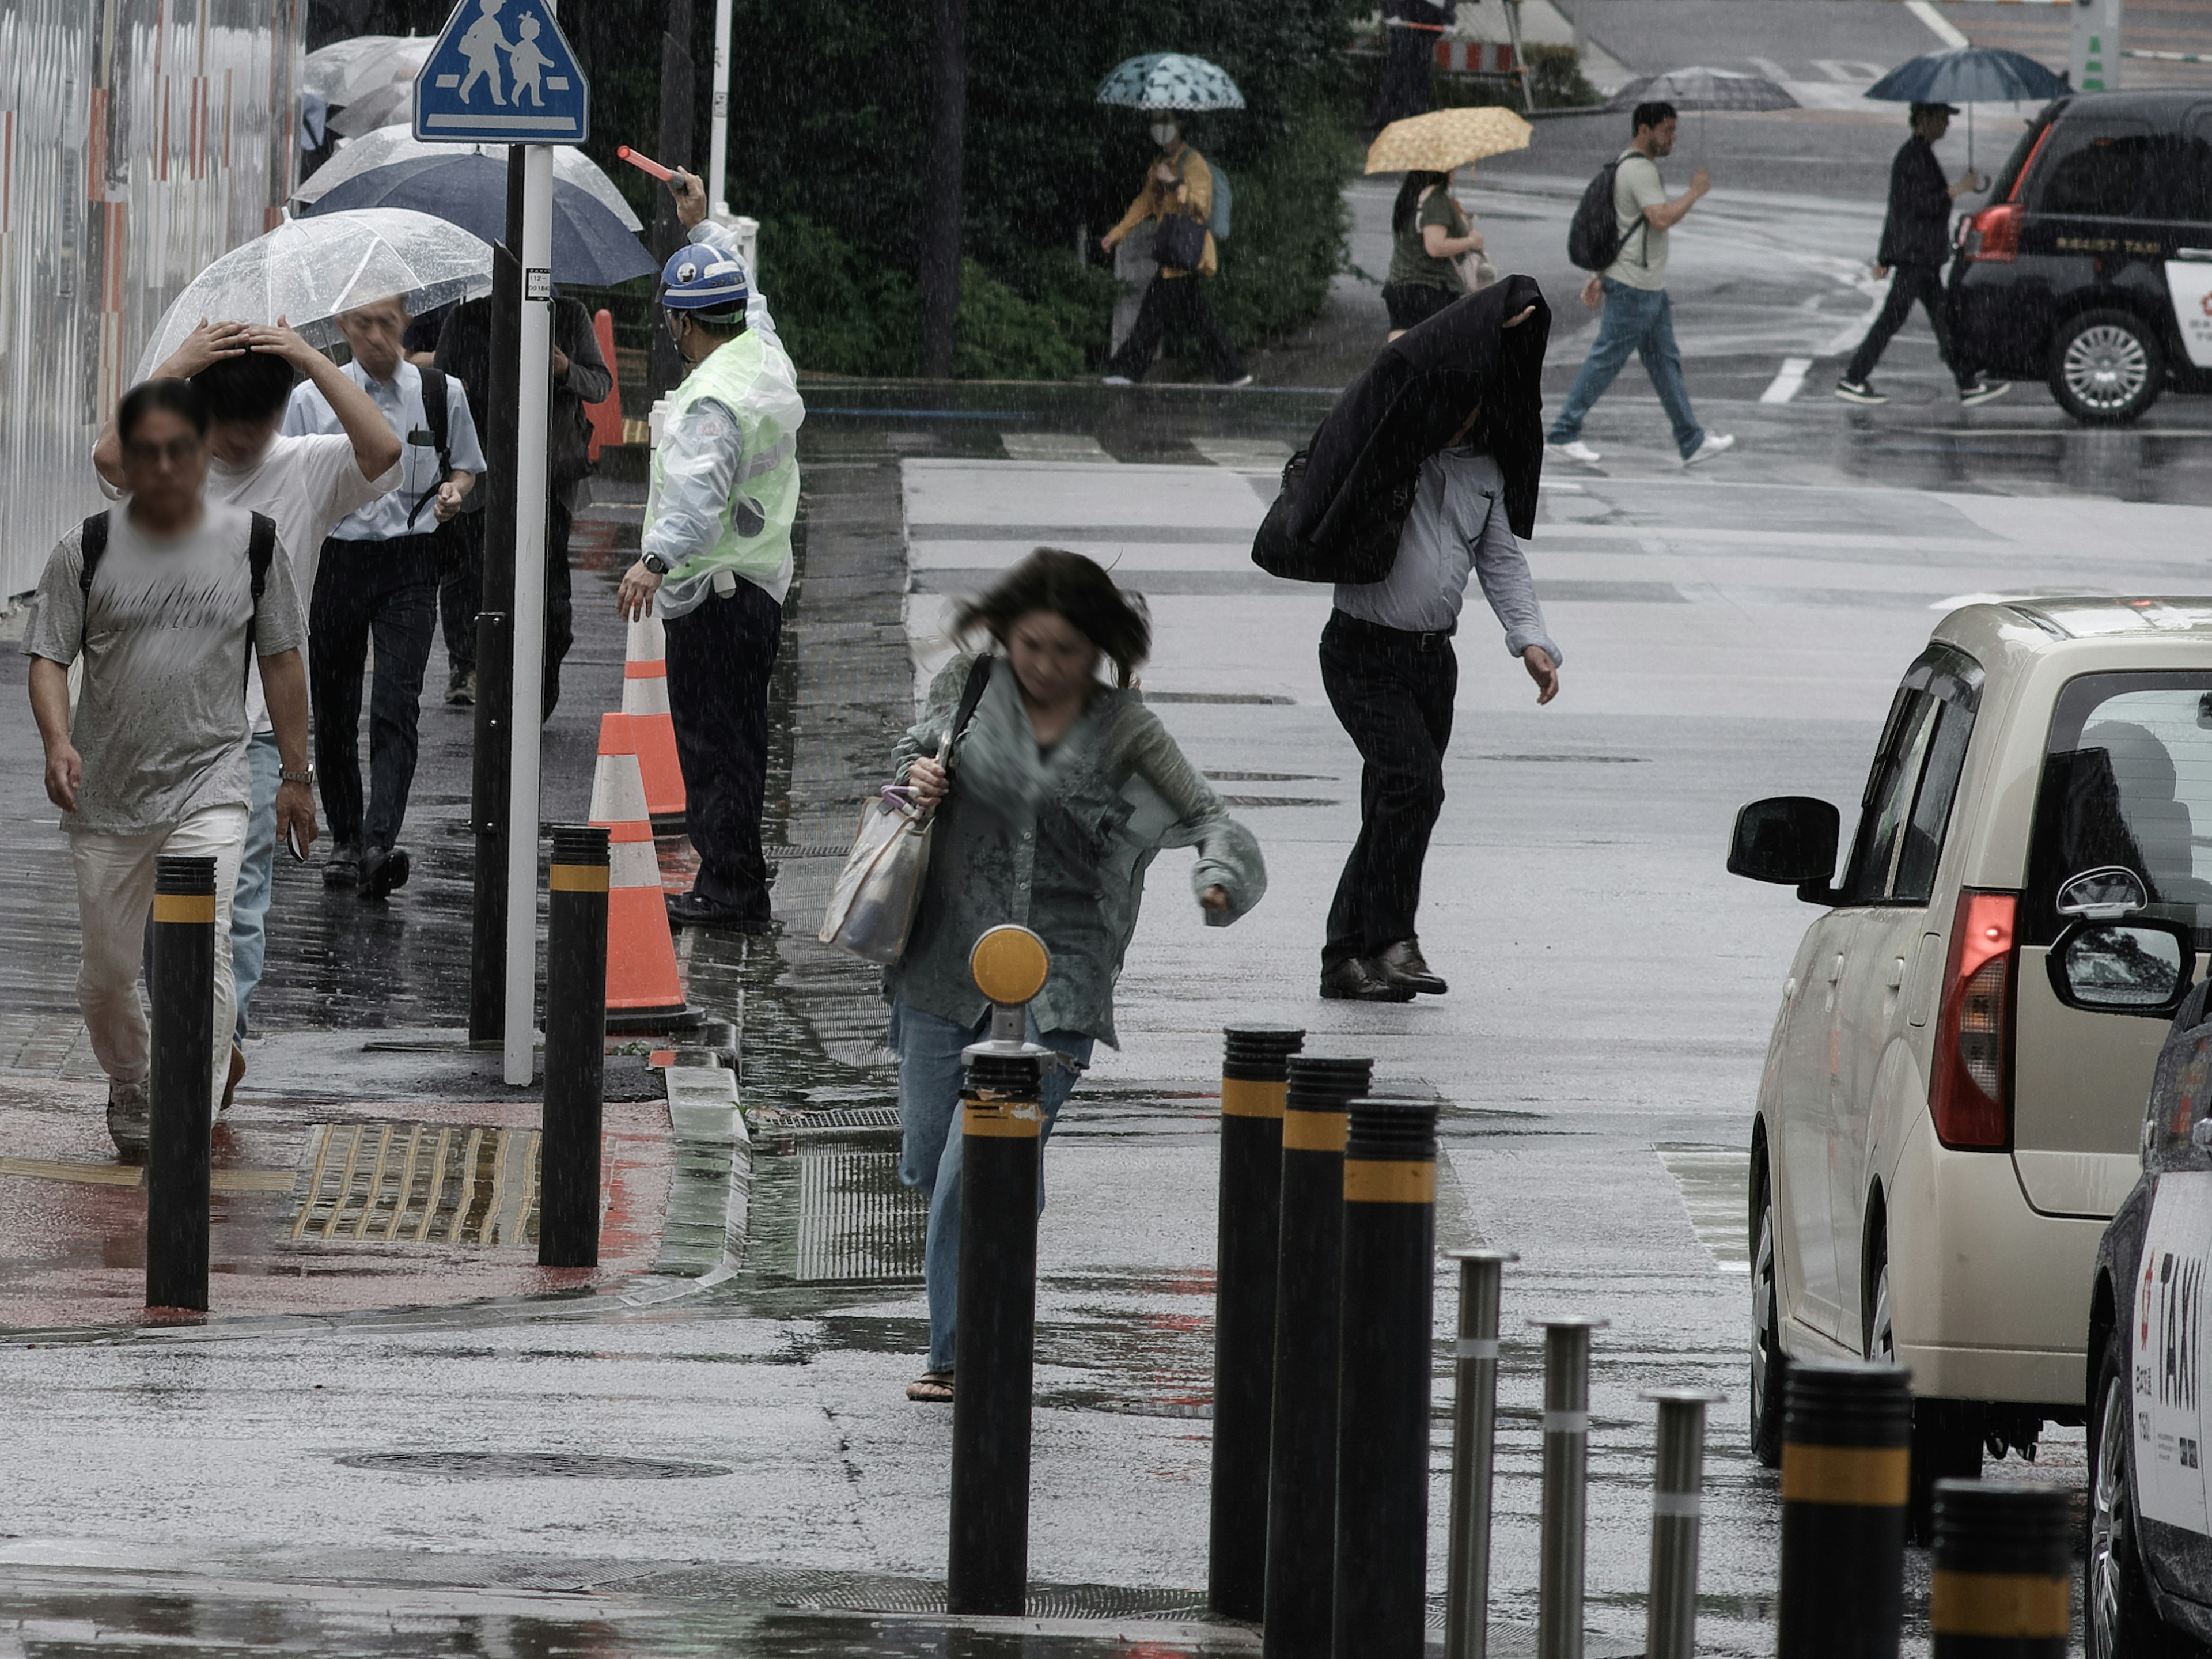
<point x="1638" y="322"/>
<point x="930" y="1075"/>
<point x="249" y="908"/>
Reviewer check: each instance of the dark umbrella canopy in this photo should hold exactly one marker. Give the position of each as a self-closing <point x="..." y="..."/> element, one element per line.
<point x="591" y="245"/>
<point x="1338" y="518"/>
<point x="1968" y="74"/>
<point x="1701" y="88"/>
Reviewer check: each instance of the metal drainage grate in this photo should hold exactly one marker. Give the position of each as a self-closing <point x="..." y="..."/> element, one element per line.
<point x="858" y="1225"/>
<point x="530" y="1466"/>
<point x="416" y="1184"/>
<point x="845" y="1119"/>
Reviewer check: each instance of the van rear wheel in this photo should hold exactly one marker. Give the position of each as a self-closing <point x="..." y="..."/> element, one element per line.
<point x="1947" y="1434"/>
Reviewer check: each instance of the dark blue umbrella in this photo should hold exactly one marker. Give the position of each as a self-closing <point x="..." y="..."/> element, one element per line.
<point x="1969" y="76"/>
<point x="591" y="245"/>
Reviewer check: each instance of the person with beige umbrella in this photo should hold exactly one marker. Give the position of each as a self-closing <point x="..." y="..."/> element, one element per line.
<point x="1435" y="254"/>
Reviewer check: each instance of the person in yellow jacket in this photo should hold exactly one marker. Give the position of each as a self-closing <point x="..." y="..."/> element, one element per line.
<point x="1179" y="186"/>
<point x="715" y="559"/>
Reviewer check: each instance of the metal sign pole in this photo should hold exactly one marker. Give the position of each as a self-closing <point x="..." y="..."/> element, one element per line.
<point x="533" y="396"/>
<point x="718" y="130"/>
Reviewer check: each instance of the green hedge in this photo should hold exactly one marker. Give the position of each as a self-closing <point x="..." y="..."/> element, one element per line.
<point x="828" y="106"/>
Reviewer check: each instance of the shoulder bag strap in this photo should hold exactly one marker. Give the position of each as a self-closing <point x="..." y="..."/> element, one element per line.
<point x="436" y="417"/>
<point x="92" y="549"/>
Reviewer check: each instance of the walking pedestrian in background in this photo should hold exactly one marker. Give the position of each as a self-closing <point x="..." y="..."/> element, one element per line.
<point x="304" y="485"/>
<point x="1428" y="235"/>
<point x="580" y="377"/>
<point x="1052" y="797"/>
<point x="1638" y="319"/>
<point x="165" y="597"/>
<point x="1387" y="665"/>
<point x="1178" y="197"/>
<point x="1916" y="245"/>
<point x="378" y="577"/>
<point x="716" y="559"/>
<point x="1411" y="29"/>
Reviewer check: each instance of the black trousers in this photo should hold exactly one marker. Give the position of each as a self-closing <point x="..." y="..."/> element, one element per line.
<point x="1175" y="302"/>
<point x="460" y="596"/>
<point x="1909" y="284"/>
<point x="719" y="659"/>
<point x="1409" y="56"/>
<point x="389" y="591"/>
<point x="1393" y="694"/>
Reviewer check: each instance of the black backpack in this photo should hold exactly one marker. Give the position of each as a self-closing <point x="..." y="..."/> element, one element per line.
<point x="1594" y="238"/>
<point x="260" y="548"/>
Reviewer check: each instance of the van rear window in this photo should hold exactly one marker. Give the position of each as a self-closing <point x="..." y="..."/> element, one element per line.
<point x="2127" y="780"/>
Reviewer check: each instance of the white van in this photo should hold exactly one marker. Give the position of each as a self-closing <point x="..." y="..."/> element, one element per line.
<point x="1953" y="1093"/>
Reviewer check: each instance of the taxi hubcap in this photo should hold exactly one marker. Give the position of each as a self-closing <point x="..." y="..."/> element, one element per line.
<point x="2106" y="366"/>
<point x="2105" y="1501"/>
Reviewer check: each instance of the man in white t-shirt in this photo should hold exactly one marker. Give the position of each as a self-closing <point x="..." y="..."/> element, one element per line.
<point x="163" y="600"/>
<point x="245" y="372"/>
<point x="1638" y="319"/>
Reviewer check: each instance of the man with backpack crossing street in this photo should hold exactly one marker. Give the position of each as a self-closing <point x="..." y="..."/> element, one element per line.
<point x="1181" y="195"/>
<point x="1619" y="236"/>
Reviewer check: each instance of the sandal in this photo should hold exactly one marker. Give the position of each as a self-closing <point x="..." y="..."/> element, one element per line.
<point x="932" y="1389"/>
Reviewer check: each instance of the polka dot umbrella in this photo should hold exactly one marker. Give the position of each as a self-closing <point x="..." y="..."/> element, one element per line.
<point x="1170" y="79"/>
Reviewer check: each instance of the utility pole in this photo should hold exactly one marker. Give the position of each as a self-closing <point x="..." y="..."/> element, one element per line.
<point x="943" y="168"/>
<point x="675" y="88"/>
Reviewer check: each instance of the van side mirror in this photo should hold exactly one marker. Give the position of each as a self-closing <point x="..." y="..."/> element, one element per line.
<point x="2135" y="967"/>
<point x="2106" y="894"/>
<point x="1789" y="840"/>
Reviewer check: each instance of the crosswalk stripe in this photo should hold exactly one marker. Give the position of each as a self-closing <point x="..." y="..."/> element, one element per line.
<point x="1788" y="383"/>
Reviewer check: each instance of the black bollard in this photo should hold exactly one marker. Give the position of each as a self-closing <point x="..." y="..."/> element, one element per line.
<point x="575" y="1048"/>
<point x="2004" y="1571"/>
<point x="1001" y="1125"/>
<point x="1846" y="1481"/>
<point x="181" y="985"/>
<point x="1302" y="1458"/>
<point x="1253" y="1080"/>
<point x="1382" y="1567"/>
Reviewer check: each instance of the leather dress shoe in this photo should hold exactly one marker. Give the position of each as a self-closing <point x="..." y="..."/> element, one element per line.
<point x="1357" y="980"/>
<point x="695" y="909"/>
<point x="1402" y="965"/>
<point x="382" y="870"/>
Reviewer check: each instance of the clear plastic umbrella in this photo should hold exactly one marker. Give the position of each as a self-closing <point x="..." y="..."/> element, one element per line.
<point x="390" y="105"/>
<point x="346" y="69"/>
<point x="307" y="270"/>
<point x="392" y="146"/>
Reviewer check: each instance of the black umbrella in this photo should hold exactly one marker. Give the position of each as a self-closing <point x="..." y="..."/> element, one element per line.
<point x="1968" y="76"/>
<point x="591" y="245"/>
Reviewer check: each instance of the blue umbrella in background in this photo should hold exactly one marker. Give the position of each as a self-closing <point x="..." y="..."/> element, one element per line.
<point x="1968" y="76"/>
<point x="592" y="247"/>
<point x="1170" y="79"/>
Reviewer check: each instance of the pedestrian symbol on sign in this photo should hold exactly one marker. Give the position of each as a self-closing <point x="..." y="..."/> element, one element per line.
<point x="502" y="72"/>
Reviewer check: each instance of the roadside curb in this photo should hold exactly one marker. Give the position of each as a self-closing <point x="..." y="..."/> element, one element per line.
<point x="703" y="1239"/>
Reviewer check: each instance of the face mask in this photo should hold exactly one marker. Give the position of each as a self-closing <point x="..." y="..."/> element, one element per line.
<point x="1164" y="133"/>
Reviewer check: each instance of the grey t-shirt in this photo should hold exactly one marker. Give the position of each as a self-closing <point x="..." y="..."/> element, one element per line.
<point x="1637" y="185"/>
<point x="161" y="721"/>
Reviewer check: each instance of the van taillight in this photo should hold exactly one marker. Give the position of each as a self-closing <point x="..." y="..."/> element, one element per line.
<point x="1994" y="232"/>
<point x="1971" y="1094"/>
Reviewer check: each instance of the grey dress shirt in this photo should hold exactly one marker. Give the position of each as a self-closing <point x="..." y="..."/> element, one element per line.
<point x="1457" y="528"/>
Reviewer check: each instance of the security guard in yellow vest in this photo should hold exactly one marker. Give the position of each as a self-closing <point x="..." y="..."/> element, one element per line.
<point x="716" y="559"/>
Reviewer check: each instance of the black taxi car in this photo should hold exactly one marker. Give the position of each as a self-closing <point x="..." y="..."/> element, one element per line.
<point x="2091" y="268"/>
<point x="2148" y="1570"/>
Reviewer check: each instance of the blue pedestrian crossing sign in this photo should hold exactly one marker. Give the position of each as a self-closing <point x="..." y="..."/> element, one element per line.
<point x="503" y="73"/>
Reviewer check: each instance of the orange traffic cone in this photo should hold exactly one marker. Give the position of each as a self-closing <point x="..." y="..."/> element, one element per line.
<point x="606" y="416"/>
<point x="645" y="699"/>
<point x="643" y="990"/>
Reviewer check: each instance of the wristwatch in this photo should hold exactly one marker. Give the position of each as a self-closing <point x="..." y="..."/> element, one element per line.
<point x="655" y="563"/>
<point x="306" y="775"/>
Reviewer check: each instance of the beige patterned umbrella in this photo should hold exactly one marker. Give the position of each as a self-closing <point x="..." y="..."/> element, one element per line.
<point x="1446" y="138"/>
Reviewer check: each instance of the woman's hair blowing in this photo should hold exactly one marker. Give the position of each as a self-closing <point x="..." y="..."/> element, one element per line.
<point x="1071" y="586"/>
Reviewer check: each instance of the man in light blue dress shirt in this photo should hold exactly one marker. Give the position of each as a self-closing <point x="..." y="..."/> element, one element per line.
<point x="378" y="577"/>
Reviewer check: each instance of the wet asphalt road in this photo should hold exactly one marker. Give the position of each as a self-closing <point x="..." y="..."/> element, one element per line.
<point x="1728" y="635"/>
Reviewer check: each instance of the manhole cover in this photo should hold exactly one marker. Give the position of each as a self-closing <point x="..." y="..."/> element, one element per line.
<point x="530" y="1466"/>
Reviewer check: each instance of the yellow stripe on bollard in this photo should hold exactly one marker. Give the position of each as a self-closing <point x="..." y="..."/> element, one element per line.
<point x="184" y="907"/>
<point x="1314" y="1131"/>
<point x="578" y="877"/>
<point x="1021" y="1121"/>
<point x="2000" y="1604"/>
<point x="1374" y="1181"/>
<point x="1869" y="1476"/>
<point x="1241" y="1097"/>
